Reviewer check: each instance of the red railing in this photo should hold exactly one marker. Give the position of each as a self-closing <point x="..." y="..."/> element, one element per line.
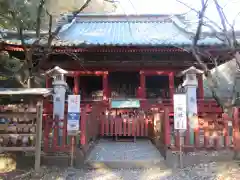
<point x="116" y="126"/>
<point x="94" y="123"/>
<point x="89" y="123"/>
<point x="225" y="137"/>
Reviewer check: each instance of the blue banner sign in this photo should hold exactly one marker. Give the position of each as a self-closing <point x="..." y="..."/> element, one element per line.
<point x="129" y="103"/>
<point x="73" y="116"/>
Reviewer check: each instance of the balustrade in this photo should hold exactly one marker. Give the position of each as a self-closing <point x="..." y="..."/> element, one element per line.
<point x="214" y="131"/>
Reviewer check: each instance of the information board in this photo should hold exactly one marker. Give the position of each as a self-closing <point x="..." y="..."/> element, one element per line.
<point x="180" y="111"/>
<point x="73" y="116"/>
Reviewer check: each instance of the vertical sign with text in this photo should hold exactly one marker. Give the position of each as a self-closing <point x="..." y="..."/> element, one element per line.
<point x="73" y="116"/>
<point x="180" y="114"/>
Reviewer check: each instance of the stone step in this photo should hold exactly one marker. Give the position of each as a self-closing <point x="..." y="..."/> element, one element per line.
<point x="112" y="154"/>
<point x="125" y="164"/>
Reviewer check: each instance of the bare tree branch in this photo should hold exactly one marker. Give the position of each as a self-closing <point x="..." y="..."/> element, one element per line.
<point x="199" y="54"/>
<point x="52" y="35"/>
<point x="223" y="22"/>
<point x="39" y="13"/>
<point x="196" y="11"/>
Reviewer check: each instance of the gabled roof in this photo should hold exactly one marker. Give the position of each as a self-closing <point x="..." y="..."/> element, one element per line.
<point x="124" y="30"/>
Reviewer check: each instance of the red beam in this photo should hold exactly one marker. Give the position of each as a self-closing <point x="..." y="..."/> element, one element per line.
<point x="16" y="47"/>
<point x="77" y="73"/>
<point x="156" y="72"/>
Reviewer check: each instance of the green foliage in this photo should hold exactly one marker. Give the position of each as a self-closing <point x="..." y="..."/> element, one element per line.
<point x="19" y="13"/>
<point x="10" y="64"/>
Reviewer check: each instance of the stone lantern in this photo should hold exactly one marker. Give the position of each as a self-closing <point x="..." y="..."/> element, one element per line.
<point x="60" y="88"/>
<point x="190" y="84"/>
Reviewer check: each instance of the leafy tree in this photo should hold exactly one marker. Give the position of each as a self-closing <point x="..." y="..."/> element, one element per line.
<point x="226" y="34"/>
<point x="26" y="18"/>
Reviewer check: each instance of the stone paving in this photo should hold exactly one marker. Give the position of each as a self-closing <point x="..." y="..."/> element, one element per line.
<point x="211" y="171"/>
<point x="142" y="150"/>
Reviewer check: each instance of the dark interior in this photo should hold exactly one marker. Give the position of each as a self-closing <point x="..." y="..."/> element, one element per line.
<point x="90" y="85"/>
<point x="157" y="86"/>
<point x="124" y="84"/>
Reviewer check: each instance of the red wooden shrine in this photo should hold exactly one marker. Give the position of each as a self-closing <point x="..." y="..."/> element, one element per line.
<point x="215" y="130"/>
<point x="212" y="122"/>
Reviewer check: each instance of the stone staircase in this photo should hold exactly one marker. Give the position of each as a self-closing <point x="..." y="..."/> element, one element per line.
<point x="112" y="154"/>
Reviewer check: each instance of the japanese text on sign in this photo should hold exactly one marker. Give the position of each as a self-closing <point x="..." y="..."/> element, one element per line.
<point x="73" y="113"/>
<point x="180" y="108"/>
<point x="74" y="104"/>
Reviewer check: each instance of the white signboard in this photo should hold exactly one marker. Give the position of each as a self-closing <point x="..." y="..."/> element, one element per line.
<point x="180" y="111"/>
<point x="73" y="113"/>
<point x="73" y="103"/>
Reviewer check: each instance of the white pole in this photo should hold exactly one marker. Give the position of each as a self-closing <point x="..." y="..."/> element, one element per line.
<point x="180" y="149"/>
<point x="38" y="136"/>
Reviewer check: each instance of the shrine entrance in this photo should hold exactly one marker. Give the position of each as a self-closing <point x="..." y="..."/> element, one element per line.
<point x="157" y="87"/>
<point x="123" y="84"/>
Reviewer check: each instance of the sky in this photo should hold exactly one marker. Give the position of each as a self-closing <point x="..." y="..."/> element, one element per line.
<point x="231" y="8"/>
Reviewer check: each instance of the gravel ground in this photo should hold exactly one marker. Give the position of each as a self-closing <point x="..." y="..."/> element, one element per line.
<point x="211" y="171"/>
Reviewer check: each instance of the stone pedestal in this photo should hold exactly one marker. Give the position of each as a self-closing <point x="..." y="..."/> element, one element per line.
<point x="60" y="88"/>
<point x="190" y="84"/>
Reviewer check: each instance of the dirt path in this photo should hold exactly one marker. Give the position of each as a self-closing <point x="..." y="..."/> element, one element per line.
<point x="211" y="171"/>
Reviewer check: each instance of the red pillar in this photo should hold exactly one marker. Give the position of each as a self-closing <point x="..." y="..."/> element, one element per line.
<point x="235" y="126"/>
<point x="171" y="84"/>
<point x="47" y="107"/>
<point x="196" y="137"/>
<point x="167" y="133"/>
<point x="142" y="85"/>
<point x="48" y="82"/>
<point x="105" y="86"/>
<point x="76" y="85"/>
<point x="200" y="87"/>
<point x="187" y="137"/>
<point x="83" y="126"/>
<point x="226" y="135"/>
<point x="76" y="92"/>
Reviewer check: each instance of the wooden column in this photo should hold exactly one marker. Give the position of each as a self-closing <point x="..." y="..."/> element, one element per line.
<point x="187" y="134"/>
<point x="38" y="136"/>
<point x="200" y="87"/>
<point x="226" y="135"/>
<point x="76" y="85"/>
<point x="167" y="130"/>
<point x="171" y="84"/>
<point x="83" y="126"/>
<point x="105" y="86"/>
<point x="48" y="82"/>
<point x="142" y="85"/>
<point x="74" y="140"/>
<point x="236" y="127"/>
<point x="196" y="137"/>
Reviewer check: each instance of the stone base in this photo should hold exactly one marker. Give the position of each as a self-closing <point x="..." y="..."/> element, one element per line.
<point x="55" y="160"/>
<point x="198" y="157"/>
<point x="236" y="155"/>
<point x="114" y="154"/>
<point x="83" y="153"/>
<point x="129" y="164"/>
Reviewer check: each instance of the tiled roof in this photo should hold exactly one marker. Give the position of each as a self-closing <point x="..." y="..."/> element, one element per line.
<point x="122" y="30"/>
